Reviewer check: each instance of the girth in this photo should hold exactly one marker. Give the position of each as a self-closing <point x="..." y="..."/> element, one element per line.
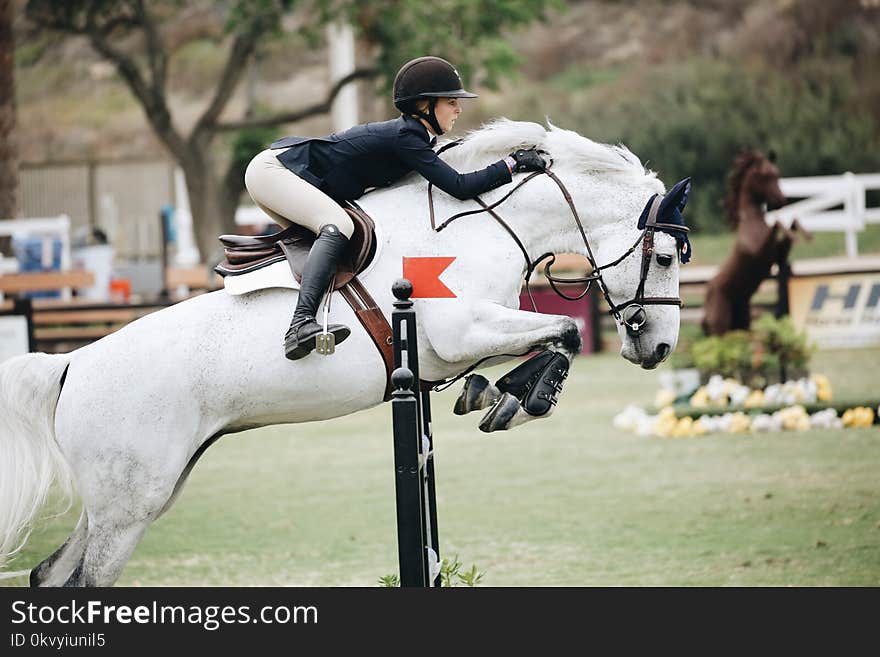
<point x="248" y="253"/>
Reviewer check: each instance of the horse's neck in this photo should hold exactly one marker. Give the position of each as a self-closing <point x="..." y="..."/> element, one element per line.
<point x="545" y="223"/>
<point x="534" y="214"/>
<point x="751" y="212"/>
<point x="537" y="213"/>
<point x="753" y="235"/>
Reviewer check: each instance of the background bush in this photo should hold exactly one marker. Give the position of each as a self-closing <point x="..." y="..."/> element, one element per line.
<point x="774" y="350"/>
<point x="691" y="119"/>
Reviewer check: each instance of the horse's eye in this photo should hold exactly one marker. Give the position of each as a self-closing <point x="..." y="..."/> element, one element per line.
<point x="664" y="259"/>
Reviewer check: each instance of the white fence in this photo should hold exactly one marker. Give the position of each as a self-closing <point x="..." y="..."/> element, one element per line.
<point x="831" y="204"/>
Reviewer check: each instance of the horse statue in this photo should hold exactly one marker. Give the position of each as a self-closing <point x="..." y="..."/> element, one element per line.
<point x="122" y="421"/>
<point x="753" y="187"/>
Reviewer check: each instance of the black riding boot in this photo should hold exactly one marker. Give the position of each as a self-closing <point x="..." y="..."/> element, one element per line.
<point x="319" y="269"/>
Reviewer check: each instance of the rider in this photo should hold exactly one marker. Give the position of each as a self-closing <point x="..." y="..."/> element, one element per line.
<point x="303" y="180"/>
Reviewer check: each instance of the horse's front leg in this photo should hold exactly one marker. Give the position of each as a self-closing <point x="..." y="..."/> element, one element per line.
<point x="483" y="329"/>
<point x="784" y="239"/>
<point x="478" y="393"/>
<point x="783" y="233"/>
<point x="792" y="232"/>
<point x="465" y="332"/>
<point x="797" y="229"/>
<point x="528" y="392"/>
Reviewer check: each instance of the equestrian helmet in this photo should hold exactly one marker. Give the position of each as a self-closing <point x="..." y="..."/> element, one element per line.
<point x="427" y="77"/>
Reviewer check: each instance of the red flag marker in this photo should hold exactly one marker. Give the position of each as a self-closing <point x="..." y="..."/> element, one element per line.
<point x="424" y="274"/>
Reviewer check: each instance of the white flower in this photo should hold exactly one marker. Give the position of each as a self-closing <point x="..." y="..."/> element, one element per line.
<point x="645" y="425"/>
<point x="628" y="418"/>
<point x="716" y="388"/>
<point x="762" y="422"/>
<point x="826" y="419"/>
<point x="738" y="394"/>
<point x="773" y="394"/>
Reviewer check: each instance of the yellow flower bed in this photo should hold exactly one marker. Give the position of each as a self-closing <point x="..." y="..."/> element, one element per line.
<point x="719" y="393"/>
<point x="823" y="387"/>
<point x="860" y="416"/>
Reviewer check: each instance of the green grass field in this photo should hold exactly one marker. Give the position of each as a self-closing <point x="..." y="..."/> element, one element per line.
<point x="565" y="501"/>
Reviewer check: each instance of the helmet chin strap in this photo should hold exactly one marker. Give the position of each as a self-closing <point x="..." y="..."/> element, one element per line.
<point x="431" y="116"/>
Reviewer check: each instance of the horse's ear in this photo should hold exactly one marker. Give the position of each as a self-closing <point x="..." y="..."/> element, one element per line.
<point x="676" y="198"/>
<point x="771" y="155"/>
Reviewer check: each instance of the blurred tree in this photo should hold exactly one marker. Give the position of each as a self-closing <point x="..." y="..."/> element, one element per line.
<point x="691" y="119"/>
<point x="136" y="39"/>
<point x="470" y="33"/>
<point x="8" y="145"/>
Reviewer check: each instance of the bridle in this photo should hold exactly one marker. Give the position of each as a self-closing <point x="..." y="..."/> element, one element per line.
<point x="630" y="314"/>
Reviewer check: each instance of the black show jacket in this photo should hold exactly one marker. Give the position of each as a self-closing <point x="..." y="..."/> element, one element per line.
<point x="343" y="165"/>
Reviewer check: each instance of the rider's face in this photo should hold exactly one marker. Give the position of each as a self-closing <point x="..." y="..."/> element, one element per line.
<point x="447" y="110"/>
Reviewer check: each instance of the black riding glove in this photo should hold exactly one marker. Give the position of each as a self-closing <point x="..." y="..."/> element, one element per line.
<point x="528" y="160"/>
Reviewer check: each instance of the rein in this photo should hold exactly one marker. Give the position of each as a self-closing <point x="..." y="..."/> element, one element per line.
<point x="530" y="267"/>
<point x="630" y="313"/>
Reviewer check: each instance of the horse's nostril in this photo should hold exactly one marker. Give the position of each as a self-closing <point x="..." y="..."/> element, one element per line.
<point x="662" y="351"/>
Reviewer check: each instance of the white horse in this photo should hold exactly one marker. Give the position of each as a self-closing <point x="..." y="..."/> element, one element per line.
<point x="122" y="421"/>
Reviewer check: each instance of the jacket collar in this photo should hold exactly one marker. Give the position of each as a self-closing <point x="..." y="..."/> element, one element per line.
<point x="416" y="125"/>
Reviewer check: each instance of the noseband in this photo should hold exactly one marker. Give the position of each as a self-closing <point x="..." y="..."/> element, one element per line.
<point x="630" y="314"/>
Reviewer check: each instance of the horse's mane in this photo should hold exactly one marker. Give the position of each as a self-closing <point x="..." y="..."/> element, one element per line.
<point x="567" y="148"/>
<point x="745" y="160"/>
<point x="494" y="140"/>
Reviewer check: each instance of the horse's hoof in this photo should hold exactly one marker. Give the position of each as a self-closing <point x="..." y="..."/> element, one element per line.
<point x="476" y="394"/>
<point x="502" y="415"/>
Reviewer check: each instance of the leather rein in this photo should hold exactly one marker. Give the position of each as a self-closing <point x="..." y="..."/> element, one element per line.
<point x="630" y="314"/>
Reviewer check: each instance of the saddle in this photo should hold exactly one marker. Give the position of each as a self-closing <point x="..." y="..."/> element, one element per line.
<point x="245" y="253"/>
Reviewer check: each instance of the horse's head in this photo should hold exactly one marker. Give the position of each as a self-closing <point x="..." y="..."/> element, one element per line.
<point x="643" y="286"/>
<point x="754" y="178"/>
<point x="762" y="181"/>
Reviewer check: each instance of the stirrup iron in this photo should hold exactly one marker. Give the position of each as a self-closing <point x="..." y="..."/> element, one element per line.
<point x="325" y="342"/>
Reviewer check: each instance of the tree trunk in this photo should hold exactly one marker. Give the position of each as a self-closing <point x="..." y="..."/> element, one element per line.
<point x="212" y="212"/>
<point x="8" y="143"/>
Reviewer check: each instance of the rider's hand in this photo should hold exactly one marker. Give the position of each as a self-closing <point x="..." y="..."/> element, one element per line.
<point x="528" y="159"/>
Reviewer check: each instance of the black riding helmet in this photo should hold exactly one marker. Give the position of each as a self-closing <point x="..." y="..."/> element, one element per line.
<point x="430" y="78"/>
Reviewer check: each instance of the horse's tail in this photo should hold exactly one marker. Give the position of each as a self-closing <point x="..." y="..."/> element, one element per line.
<point x="30" y="460"/>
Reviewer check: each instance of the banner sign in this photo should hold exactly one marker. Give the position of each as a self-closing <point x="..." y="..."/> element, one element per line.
<point x="837" y="311"/>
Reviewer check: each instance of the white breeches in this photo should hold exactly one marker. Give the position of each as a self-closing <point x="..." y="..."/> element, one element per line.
<point x="288" y="199"/>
